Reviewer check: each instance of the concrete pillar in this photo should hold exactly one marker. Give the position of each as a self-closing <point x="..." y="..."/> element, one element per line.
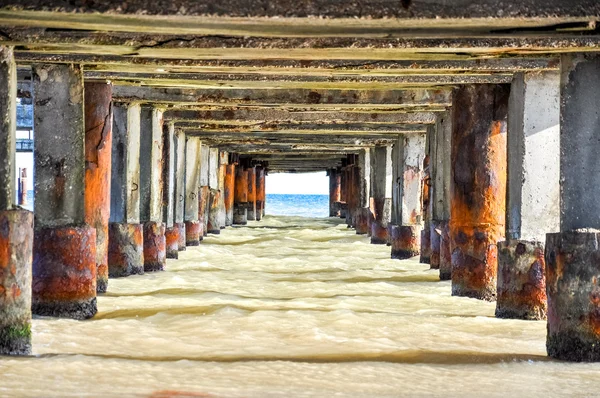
<point x="64" y="250"/>
<point x="151" y="188"/>
<point x="409" y="153"/>
<point x="16" y="226"/>
<point x="193" y="227"/>
<point x="204" y="193"/>
<point x="215" y="200"/>
<point x="425" y="257"/>
<point x="98" y="151"/>
<point x="440" y="168"/>
<point x="125" y="233"/>
<point x="382" y="193"/>
<point x="478" y="189"/>
<point x="168" y="177"/>
<point x="229" y="192"/>
<point x="364" y="215"/>
<point x="252" y="193"/>
<point x="343" y="189"/>
<point x="240" y="196"/>
<point x="260" y="192"/>
<point x="335" y="180"/>
<point x="179" y="194"/>
<point x="533" y="199"/>
<point x="572" y="254"/>
<point x="222" y="211"/>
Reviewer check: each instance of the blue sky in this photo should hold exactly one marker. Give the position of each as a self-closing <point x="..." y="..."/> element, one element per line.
<point x="303" y="183"/>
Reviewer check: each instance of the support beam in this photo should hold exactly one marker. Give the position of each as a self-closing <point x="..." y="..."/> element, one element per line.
<point x="334" y="192"/>
<point x="64" y="253"/>
<point x="533" y="199"/>
<point x="204" y="193"/>
<point x="168" y="178"/>
<point x="16" y="226"/>
<point x="229" y="191"/>
<point x="194" y="229"/>
<point x="214" y="215"/>
<point x="126" y="233"/>
<point x="260" y="192"/>
<point x="381" y="180"/>
<point x="179" y="194"/>
<point x="571" y="254"/>
<point x="151" y="189"/>
<point x="240" y="215"/>
<point x="98" y="153"/>
<point x="478" y="189"/>
<point x="251" y="193"/>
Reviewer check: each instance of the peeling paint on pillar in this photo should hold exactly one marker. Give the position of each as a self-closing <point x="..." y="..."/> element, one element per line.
<point x="172" y="242"/>
<point x="193" y="227"/>
<point x="64" y="250"/>
<point x="215" y="209"/>
<point x="16" y="241"/>
<point x="251" y="213"/>
<point x="406" y="241"/>
<point x="98" y="151"/>
<point x="335" y="181"/>
<point x="229" y="194"/>
<point x="204" y="209"/>
<point x="181" y="234"/>
<point x="155" y="250"/>
<point x="179" y="187"/>
<point x="222" y="172"/>
<point x="125" y="249"/>
<point x="260" y="192"/>
<point x="478" y="190"/>
<point x="125" y="233"/>
<point x="193" y="233"/>
<point x="363" y="220"/>
<point x="382" y="175"/>
<point x="521" y="280"/>
<point x="241" y="196"/>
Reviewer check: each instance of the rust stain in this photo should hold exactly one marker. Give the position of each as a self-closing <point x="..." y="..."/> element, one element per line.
<point x="155" y="254"/>
<point x="125" y="249"/>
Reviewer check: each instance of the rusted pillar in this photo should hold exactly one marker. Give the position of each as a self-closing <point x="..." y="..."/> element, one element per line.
<point x="381" y="179"/>
<point x="343" y="188"/>
<point x="151" y="189"/>
<point x="229" y="191"/>
<point x="241" y="196"/>
<point x="533" y="194"/>
<point x="214" y="205"/>
<point x="98" y="149"/>
<point x="16" y="226"/>
<point x="260" y="192"/>
<point x="222" y="172"/>
<point x="179" y="194"/>
<point x="409" y="152"/>
<point x="573" y="268"/>
<point x="251" y="214"/>
<point x="363" y="212"/>
<point x="64" y="250"/>
<point x="335" y="180"/>
<point x="125" y="233"/>
<point x="478" y="189"/>
<point x="193" y="226"/>
<point x="204" y="190"/>
<point x="440" y="195"/>
<point x="425" y="257"/>
<point x="168" y="177"/>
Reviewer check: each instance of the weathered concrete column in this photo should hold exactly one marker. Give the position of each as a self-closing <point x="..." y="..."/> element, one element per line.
<point x="151" y="189"/>
<point x="260" y="192"/>
<point x="16" y="226"/>
<point x="364" y="215"/>
<point x="425" y="257"/>
<point x="179" y="194"/>
<point x="440" y="169"/>
<point x="193" y="226"/>
<point x="573" y="269"/>
<point x="168" y="178"/>
<point x="335" y="180"/>
<point x="241" y="196"/>
<point x="409" y="152"/>
<point x="98" y="151"/>
<point x="229" y="191"/>
<point x="381" y="179"/>
<point x="214" y="215"/>
<point x="343" y="188"/>
<point x="251" y="214"/>
<point x="204" y="193"/>
<point x="222" y="172"/>
<point x="478" y="189"/>
<point x="533" y="199"/>
<point x="64" y="251"/>
<point x="125" y="233"/>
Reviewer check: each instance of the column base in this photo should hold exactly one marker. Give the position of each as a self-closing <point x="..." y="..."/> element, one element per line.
<point x="125" y="249"/>
<point x="259" y="212"/>
<point x="193" y="233"/>
<point x="155" y="251"/>
<point x="240" y="215"/>
<point x="521" y="292"/>
<point x="406" y="241"/>
<point x="426" y="244"/>
<point x="572" y="274"/>
<point x="435" y="239"/>
<point x="379" y="233"/>
<point x="64" y="272"/>
<point x="172" y="242"/>
<point x="475" y="260"/>
<point x="251" y="215"/>
<point x="229" y="218"/>
<point x="362" y="220"/>
<point x="16" y="241"/>
<point x="445" y="253"/>
<point x="181" y="235"/>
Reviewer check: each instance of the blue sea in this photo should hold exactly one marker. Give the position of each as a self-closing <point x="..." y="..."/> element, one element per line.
<point x="297" y="205"/>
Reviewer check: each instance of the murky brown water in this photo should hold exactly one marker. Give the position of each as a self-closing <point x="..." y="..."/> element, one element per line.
<point x="291" y="307"/>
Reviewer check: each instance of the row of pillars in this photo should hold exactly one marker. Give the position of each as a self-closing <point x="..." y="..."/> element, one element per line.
<point x="117" y="192"/>
<point x="501" y="195"/>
